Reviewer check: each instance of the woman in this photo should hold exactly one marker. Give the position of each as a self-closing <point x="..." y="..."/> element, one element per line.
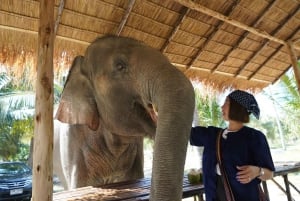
<point x="245" y="153"/>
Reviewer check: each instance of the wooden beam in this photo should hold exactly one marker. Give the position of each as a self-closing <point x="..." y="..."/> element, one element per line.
<point x="36" y="33"/>
<point x="183" y="14"/>
<point x="18" y="29"/>
<point x="244" y="36"/>
<point x="270" y="57"/>
<point x="214" y="32"/>
<point x="125" y="17"/>
<point x="266" y="42"/>
<point x="43" y="124"/>
<point x="200" y="8"/>
<point x="59" y="13"/>
<point x="276" y="51"/>
<point x="295" y="65"/>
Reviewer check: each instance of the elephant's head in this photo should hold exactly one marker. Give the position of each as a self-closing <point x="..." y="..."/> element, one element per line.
<point x="119" y="83"/>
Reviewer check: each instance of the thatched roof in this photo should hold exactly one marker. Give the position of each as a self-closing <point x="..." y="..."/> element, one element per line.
<point x="227" y="43"/>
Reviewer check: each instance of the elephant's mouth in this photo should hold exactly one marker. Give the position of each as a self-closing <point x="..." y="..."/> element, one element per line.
<point x="146" y="116"/>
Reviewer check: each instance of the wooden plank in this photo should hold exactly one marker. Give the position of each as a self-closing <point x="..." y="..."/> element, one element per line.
<point x="283" y="170"/>
<point x="43" y="127"/>
<point x="286" y="169"/>
<point x="138" y="190"/>
<point x="129" y="190"/>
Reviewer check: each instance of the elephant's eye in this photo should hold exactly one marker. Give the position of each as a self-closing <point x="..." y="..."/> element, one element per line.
<point x="120" y="65"/>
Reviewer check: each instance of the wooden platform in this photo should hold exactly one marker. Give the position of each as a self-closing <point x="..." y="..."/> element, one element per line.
<point x="282" y="170"/>
<point x="136" y="190"/>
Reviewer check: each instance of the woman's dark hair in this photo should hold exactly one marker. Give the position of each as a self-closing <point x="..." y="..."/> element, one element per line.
<point x="237" y="112"/>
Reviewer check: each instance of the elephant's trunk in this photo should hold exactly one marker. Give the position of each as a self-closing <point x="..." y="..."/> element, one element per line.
<point x="175" y="103"/>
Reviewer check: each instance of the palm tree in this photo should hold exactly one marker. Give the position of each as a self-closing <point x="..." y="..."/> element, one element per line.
<point x="291" y="104"/>
<point x="16" y="110"/>
<point x="17" y="105"/>
<point x="286" y="99"/>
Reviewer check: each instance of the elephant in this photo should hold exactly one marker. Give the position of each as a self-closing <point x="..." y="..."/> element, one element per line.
<point x="119" y="92"/>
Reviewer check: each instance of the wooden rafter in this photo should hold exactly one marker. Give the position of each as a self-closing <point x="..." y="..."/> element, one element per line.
<point x="177" y="25"/>
<point x="266" y="42"/>
<point x="264" y="63"/>
<point x="272" y="55"/>
<point x="125" y="17"/>
<point x="209" y="38"/>
<point x="36" y="33"/>
<point x="262" y="46"/>
<point x="244" y="36"/>
<point x="295" y="66"/>
<point x="59" y="13"/>
<point x="198" y="7"/>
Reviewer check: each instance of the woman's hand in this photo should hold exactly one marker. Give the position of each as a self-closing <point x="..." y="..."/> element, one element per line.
<point x="247" y="173"/>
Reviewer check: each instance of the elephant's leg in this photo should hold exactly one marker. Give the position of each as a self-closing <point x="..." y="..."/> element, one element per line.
<point x="57" y="156"/>
<point x="79" y="173"/>
<point x="137" y="169"/>
<point x="74" y="180"/>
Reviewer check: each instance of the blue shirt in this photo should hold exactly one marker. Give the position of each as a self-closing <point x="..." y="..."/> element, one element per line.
<point x="247" y="146"/>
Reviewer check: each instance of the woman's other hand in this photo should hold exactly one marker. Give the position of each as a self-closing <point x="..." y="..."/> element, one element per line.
<point x="247" y="173"/>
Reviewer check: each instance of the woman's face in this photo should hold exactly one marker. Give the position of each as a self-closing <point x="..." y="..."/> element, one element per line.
<point x="225" y="109"/>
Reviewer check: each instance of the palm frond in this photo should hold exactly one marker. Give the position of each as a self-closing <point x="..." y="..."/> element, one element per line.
<point x="4" y="80"/>
<point x="16" y="105"/>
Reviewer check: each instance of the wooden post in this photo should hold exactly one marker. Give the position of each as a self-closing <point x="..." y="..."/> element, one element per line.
<point x="43" y="127"/>
<point x="296" y="69"/>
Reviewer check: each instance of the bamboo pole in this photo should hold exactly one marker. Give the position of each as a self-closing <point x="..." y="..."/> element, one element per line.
<point x="125" y="17"/>
<point x="43" y="127"/>
<point x="200" y="8"/>
<point x="296" y="69"/>
<point x="59" y="14"/>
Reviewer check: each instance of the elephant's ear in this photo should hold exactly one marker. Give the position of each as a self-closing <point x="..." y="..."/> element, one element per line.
<point x="77" y="104"/>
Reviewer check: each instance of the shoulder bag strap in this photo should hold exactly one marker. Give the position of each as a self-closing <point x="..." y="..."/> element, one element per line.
<point x="228" y="191"/>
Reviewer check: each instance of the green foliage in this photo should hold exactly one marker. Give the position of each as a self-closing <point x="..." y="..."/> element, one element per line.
<point x="148" y="143"/>
<point x="13" y="135"/>
<point x="23" y="127"/>
<point x="270" y="129"/>
<point x="17" y="104"/>
<point x="23" y="152"/>
<point x="4" y="80"/>
<point x="208" y="108"/>
<point x="292" y="98"/>
<point x="286" y="99"/>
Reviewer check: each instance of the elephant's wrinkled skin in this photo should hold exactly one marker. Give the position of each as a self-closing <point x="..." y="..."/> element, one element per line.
<point x="107" y="108"/>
